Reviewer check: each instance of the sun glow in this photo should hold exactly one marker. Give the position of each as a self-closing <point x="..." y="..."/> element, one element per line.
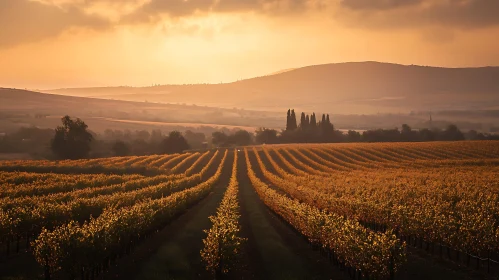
<point x="143" y="42"/>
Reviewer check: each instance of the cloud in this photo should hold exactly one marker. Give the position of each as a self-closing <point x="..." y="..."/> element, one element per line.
<point x="377" y="4"/>
<point x="457" y="14"/>
<point x="155" y="9"/>
<point x="24" y="21"/>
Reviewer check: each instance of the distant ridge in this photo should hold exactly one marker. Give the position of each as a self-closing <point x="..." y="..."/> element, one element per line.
<point x="351" y="87"/>
<point x="281" y="71"/>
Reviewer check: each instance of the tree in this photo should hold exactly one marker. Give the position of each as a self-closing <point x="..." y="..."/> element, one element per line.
<point x="313" y="121"/>
<point x="219" y="138"/>
<point x="120" y="149"/>
<point x="406" y="134"/>
<point x="72" y="139"/>
<point x="266" y="136"/>
<point x="452" y="133"/>
<point x="241" y="138"/>
<point x="327" y="130"/>
<point x="303" y="120"/>
<point x="353" y="136"/>
<point x="195" y="139"/>
<point x="292" y="120"/>
<point x="427" y="135"/>
<point x="474" y="135"/>
<point x="174" y="143"/>
<point x="141" y="147"/>
<point x="30" y="140"/>
<point x="288" y="120"/>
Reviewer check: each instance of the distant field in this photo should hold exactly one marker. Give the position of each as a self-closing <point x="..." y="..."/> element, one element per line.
<point x="303" y="211"/>
<point x="171" y="124"/>
<point x="99" y="124"/>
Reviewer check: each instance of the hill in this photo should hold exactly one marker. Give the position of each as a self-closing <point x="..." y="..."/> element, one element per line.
<point x="27" y="108"/>
<point x="344" y="88"/>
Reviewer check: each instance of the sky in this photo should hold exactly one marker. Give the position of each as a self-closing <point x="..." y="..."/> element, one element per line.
<point x="47" y="44"/>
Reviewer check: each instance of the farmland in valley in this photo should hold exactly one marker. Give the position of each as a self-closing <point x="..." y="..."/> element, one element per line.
<point x="297" y="211"/>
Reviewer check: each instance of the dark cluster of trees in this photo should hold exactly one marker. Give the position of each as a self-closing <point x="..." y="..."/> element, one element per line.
<point x="312" y="131"/>
<point x="238" y="138"/>
<point x="73" y="140"/>
<point x="309" y="130"/>
<point x="174" y="142"/>
<point x="407" y="134"/>
<point x="143" y="142"/>
<point x="28" y="140"/>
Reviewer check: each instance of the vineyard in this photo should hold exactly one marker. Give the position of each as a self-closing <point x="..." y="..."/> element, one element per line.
<point x="297" y="211"/>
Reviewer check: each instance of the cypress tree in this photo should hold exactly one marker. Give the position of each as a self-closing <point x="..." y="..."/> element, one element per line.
<point x="288" y="118"/>
<point x="328" y="131"/>
<point x="292" y="120"/>
<point x="302" y="121"/>
<point x="322" y="122"/>
<point x="324" y="128"/>
<point x="329" y="123"/>
<point x="307" y="121"/>
<point x="313" y="122"/>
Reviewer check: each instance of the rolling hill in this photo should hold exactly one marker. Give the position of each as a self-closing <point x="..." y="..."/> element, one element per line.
<point x="27" y="108"/>
<point x="344" y="88"/>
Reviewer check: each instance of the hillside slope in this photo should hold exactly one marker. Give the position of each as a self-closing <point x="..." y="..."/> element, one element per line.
<point x="24" y="108"/>
<point x="357" y="87"/>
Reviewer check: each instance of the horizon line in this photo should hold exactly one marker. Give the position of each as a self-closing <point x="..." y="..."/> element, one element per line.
<point x="274" y="73"/>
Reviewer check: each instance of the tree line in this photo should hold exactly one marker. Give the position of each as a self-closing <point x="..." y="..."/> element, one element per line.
<point x="311" y="130"/>
<point x="73" y="139"/>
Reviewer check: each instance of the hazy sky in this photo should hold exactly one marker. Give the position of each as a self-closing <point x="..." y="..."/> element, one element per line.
<point x="71" y="43"/>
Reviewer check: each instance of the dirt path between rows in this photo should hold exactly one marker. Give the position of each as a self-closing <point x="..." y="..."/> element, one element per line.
<point x="174" y="252"/>
<point x="275" y="250"/>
